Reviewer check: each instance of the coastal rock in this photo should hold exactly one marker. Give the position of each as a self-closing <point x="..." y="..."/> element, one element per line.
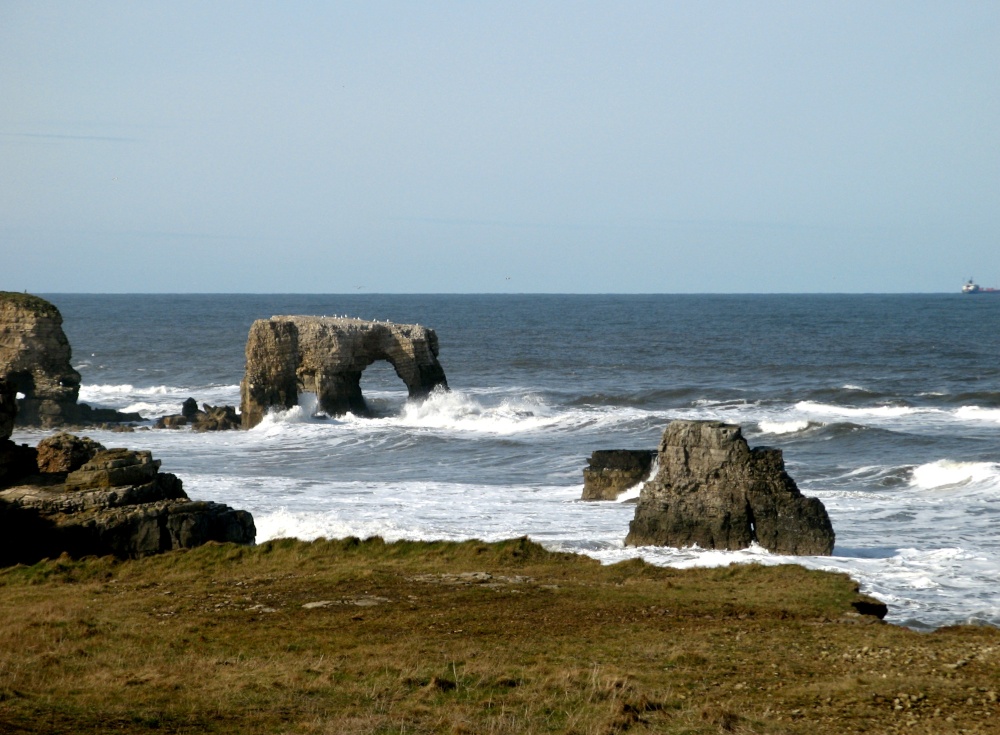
<point x="35" y="359"/>
<point x="189" y="409"/>
<point x="64" y="452"/>
<point x="712" y="490"/>
<point x="16" y="460"/>
<point x="117" y="502"/>
<point x="610" y="472"/>
<point x="208" y="418"/>
<point x="8" y="408"/>
<point x="326" y="356"/>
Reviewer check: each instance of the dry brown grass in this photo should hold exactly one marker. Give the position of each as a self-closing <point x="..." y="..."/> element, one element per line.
<point x="467" y="638"/>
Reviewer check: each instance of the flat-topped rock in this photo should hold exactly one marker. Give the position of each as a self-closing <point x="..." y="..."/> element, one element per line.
<point x="287" y="355"/>
<point x="114" y="468"/>
<point x="115" y="502"/>
<point x="712" y="490"/>
<point x="610" y="472"/>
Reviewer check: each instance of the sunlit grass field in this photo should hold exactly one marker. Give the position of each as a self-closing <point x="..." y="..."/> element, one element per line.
<point x="353" y="636"/>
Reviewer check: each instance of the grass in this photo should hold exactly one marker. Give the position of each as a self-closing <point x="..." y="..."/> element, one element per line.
<point x="354" y="636"/>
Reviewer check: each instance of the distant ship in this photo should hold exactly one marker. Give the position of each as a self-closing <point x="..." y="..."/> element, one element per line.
<point x="973" y="287"/>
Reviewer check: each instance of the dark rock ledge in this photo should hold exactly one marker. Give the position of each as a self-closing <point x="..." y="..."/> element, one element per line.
<point x="71" y="495"/>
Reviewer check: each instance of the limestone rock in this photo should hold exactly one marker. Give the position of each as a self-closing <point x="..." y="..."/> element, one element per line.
<point x="64" y="452"/>
<point x="326" y="356"/>
<point x="35" y="359"/>
<point x="712" y="490"/>
<point x="610" y="472"/>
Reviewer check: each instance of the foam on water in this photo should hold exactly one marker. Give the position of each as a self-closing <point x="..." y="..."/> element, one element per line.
<point x="949" y="474"/>
<point x="157" y="400"/>
<point x="783" y="427"/>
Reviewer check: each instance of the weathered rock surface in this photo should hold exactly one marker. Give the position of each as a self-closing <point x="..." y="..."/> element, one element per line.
<point x="16" y="460"/>
<point x="712" y="490"/>
<point x="8" y="408"/>
<point x="287" y="355"/>
<point x="35" y="359"/>
<point x="610" y="472"/>
<point x="117" y="502"/>
<point x="64" y="452"/>
<point x="208" y="418"/>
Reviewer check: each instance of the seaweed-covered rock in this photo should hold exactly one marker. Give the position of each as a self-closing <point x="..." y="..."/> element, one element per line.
<point x="712" y="490"/>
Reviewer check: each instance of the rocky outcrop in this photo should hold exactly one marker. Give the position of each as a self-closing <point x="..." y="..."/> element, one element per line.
<point x="35" y="359"/>
<point x="610" y="472"/>
<point x="64" y="452"/>
<point x="287" y="355"/>
<point x="16" y="460"/>
<point x="115" y="502"/>
<point x="712" y="490"/>
<point x="208" y="418"/>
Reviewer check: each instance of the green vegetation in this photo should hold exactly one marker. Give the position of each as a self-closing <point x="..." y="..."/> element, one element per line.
<point x="357" y="636"/>
<point x="29" y="301"/>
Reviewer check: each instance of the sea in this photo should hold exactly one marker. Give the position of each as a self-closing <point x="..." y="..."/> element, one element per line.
<point x="886" y="407"/>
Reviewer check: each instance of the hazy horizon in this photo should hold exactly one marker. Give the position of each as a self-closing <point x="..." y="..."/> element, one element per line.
<point x="455" y="148"/>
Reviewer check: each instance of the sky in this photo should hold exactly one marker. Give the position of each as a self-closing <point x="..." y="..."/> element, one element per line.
<point x="491" y="147"/>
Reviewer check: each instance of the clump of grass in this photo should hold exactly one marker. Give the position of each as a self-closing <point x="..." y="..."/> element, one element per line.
<point x="364" y="636"/>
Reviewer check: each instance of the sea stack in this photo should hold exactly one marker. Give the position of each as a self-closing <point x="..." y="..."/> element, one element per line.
<point x="712" y="490"/>
<point x="35" y="360"/>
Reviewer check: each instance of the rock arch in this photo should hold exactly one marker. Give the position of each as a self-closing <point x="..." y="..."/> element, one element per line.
<point x="287" y="355"/>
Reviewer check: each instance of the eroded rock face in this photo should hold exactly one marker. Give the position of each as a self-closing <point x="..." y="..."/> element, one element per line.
<point x="64" y="452"/>
<point x="712" y="490"/>
<point x="35" y="358"/>
<point x="610" y="472"/>
<point x="287" y="355"/>
<point x="16" y="460"/>
<point x="117" y="502"/>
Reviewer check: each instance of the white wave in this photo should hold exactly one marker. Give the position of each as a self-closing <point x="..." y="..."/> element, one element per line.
<point x="814" y="407"/>
<point x="946" y="474"/>
<point x="283" y="523"/>
<point x="975" y="413"/>
<point x="307" y="411"/>
<point x="782" y="427"/>
<point x="633" y="492"/>
<point x="851" y="386"/>
<point x="156" y="399"/>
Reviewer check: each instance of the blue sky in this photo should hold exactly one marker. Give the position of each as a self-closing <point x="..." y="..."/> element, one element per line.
<point x="427" y="147"/>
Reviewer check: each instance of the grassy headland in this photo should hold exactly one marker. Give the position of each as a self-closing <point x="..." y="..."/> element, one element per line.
<point x="366" y="637"/>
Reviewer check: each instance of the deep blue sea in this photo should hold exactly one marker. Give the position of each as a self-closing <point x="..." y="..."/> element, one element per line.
<point x="887" y="408"/>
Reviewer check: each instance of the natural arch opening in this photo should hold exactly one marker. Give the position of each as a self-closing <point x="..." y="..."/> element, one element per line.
<point x="383" y="391"/>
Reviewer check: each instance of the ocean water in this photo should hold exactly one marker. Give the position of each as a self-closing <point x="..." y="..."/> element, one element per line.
<point x="887" y="408"/>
